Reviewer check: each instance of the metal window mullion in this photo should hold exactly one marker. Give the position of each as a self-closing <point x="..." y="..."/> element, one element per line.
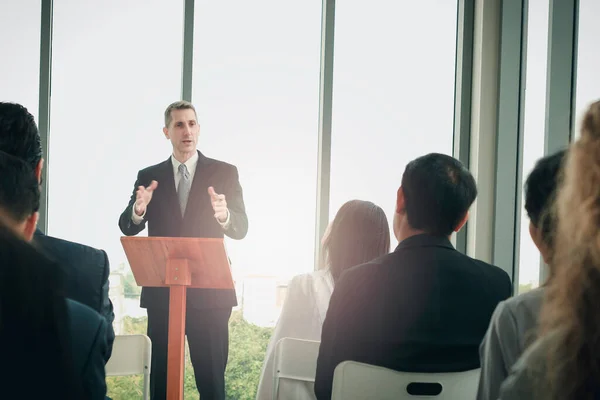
<point x="188" y="50"/>
<point x="509" y="139"/>
<point x="563" y="19"/>
<point x="463" y="87"/>
<point x="44" y="104"/>
<point x="324" y="137"/>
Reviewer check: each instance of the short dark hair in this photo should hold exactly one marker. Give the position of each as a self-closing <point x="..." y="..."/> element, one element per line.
<point x="438" y="191"/>
<point x="540" y="192"/>
<point x="19" y="188"/>
<point x="178" y="105"/>
<point x="19" y="135"/>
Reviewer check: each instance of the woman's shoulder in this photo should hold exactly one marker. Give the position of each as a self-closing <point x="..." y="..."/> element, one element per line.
<point x="307" y="280"/>
<point x="529" y="371"/>
<point x="307" y="283"/>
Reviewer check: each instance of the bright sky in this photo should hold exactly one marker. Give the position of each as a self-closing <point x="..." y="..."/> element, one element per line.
<point x="117" y="65"/>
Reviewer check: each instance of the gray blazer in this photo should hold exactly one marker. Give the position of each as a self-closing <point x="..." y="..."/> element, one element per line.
<point x="528" y="378"/>
<point x="511" y="330"/>
<point x="527" y="373"/>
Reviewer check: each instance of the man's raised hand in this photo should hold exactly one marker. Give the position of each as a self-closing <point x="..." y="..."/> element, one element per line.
<point x="219" y="205"/>
<point x="143" y="196"/>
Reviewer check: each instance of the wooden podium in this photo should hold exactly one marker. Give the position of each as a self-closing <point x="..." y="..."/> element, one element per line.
<point x="178" y="263"/>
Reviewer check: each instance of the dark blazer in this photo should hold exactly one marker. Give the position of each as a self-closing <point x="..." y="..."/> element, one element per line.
<point x="88" y="343"/>
<point x="163" y="217"/>
<point x="86" y="272"/>
<point x="423" y="308"/>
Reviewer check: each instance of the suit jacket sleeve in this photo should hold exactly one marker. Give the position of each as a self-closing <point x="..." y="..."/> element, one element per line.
<point x="106" y="308"/>
<point x="125" y="223"/>
<point x="330" y="351"/>
<point x="94" y="375"/>
<point x="511" y="288"/>
<point x="238" y="226"/>
<point x="498" y="352"/>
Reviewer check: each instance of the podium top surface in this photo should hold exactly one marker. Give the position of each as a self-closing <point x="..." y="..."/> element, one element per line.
<point x="206" y="257"/>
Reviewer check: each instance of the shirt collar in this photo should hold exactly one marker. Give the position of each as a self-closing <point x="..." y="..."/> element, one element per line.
<point x="425" y="240"/>
<point x="190" y="163"/>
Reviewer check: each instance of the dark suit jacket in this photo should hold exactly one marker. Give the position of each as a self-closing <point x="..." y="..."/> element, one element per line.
<point x="86" y="271"/>
<point x="88" y="342"/>
<point x="163" y="217"/>
<point x="423" y="308"/>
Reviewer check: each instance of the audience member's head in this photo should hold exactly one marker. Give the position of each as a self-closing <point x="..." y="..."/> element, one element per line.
<point x="540" y="191"/>
<point x="436" y="194"/>
<point x="570" y="307"/>
<point x="19" y="136"/>
<point x="19" y="196"/>
<point x="36" y="359"/>
<point x="358" y="234"/>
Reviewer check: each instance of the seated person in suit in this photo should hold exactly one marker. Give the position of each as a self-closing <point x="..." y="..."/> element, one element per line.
<point x="562" y="364"/>
<point x="51" y="347"/>
<point x="86" y="269"/>
<point x="424" y="307"/>
<point x="358" y="234"/>
<point x="513" y="323"/>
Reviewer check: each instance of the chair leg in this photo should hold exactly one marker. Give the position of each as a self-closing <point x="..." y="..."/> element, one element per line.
<point x="276" y="388"/>
<point x="146" y="386"/>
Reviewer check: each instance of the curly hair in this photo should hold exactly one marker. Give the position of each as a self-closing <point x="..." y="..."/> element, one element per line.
<point x="572" y="298"/>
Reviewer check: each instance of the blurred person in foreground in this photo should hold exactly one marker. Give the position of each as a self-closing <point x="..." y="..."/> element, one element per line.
<point x="52" y="347"/>
<point x="564" y="362"/>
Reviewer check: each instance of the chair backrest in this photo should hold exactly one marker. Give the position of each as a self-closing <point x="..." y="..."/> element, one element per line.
<point x="294" y="359"/>
<point x="353" y="380"/>
<point x="131" y="355"/>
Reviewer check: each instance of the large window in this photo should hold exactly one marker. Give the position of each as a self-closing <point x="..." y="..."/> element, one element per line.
<point x="113" y="75"/>
<point x="20" y="49"/>
<point x="588" y="58"/>
<point x="393" y="94"/>
<point x="256" y="88"/>
<point x="533" y="142"/>
<point x="116" y="66"/>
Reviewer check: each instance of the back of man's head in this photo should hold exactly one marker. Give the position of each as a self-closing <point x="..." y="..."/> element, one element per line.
<point x="19" y="135"/>
<point x="19" y="195"/>
<point x="438" y="191"/>
<point x="540" y="191"/>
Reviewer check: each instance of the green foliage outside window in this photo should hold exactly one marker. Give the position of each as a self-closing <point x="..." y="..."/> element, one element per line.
<point x="247" y="347"/>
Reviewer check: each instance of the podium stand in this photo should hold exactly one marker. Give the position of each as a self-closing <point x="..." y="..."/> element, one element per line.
<point x="179" y="264"/>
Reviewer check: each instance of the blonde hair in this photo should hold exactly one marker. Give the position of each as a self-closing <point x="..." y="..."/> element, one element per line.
<point x="571" y="304"/>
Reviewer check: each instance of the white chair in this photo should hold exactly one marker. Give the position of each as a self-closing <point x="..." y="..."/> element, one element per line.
<point x="294" y="359"/>
<point x="354" y="381"/>
<point x="131" y="355"/>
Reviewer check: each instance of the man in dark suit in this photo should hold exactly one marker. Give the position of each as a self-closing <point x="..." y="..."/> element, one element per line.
<point x="86" y="268"/>
<point x="188" y="195"/>
<point x="425" y="307"/>
<point x="79" y="336"/>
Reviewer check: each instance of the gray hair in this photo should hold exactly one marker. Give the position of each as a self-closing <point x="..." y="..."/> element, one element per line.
<point x="178" y="105"/>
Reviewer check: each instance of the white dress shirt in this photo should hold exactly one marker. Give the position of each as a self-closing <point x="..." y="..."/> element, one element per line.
<point x="190" y="164"/>
<point x="301" y="317"/>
